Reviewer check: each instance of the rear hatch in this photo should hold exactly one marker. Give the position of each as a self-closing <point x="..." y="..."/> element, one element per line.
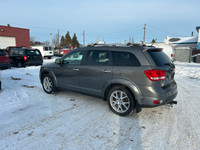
<point x="161" y="62"/>
<point x="33" y="56"/>
<point x="48" y="51"/>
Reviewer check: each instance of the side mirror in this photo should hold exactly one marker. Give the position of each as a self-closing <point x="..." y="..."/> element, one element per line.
<point x="58" y="61"/>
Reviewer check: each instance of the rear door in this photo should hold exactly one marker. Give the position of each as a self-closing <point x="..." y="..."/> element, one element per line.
<point x="95" y="72"/>
<point x="48" y="51"/>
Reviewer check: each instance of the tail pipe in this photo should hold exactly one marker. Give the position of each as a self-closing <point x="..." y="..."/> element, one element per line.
<point x="173" y="102"/>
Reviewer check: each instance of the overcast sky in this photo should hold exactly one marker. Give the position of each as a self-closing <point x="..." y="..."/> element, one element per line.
<point x="111" y="20"/>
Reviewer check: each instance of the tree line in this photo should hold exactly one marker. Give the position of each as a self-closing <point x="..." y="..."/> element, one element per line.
<point x="64" y="41"/>
<point x="67" y="40"/>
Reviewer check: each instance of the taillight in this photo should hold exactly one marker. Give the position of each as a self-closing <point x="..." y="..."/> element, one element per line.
<point x="171" y="55"/>
<point x="43" y="49"/>
<point x="156" y="102"/>
<point x="25" y="58"/>
<point x="155" y="75"/>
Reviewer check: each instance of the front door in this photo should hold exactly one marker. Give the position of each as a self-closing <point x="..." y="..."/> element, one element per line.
<point x="68" y="72"/>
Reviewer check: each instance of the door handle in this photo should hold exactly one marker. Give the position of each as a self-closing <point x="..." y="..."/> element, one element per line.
<point x="106" y="71"/>
<point x="75" y="69"/>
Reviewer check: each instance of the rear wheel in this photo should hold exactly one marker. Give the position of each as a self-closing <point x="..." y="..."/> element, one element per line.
<point x="120" y="101"/>
<point x="19" y="64"/>
<point x="48" y="84"/>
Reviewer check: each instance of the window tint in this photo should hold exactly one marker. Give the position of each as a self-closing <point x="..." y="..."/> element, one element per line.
<point x="21" y="52"/>
<point x="159" y="57"/>
<point x="16" y="51"/>
<point x="33" y="52"/>
<point x="2" y="53"/>
<point x="74" y="58"/>
<point x="97" y="58"/>
<point x="46" y="48"/>
<point x="124" y="59"/>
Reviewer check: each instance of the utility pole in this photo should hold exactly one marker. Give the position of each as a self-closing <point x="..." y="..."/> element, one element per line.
<point x="50" y="39"/>
<point x="144" y="33"/>
<point x="58" y="38"/>
<point x="83" y="38"/>
<point x="192" y="34"/>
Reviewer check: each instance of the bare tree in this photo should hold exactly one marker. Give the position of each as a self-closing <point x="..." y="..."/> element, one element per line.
<point x="56" y="39"/>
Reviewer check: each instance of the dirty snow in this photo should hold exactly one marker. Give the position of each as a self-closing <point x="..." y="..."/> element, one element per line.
<point x="31" y="119"/>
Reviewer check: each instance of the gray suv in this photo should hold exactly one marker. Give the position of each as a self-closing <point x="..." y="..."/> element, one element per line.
<point x="128" y="78"/>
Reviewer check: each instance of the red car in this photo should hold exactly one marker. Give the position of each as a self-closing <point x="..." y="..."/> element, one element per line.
<point x="64" y="50"/>
<point x="4" y="60"/>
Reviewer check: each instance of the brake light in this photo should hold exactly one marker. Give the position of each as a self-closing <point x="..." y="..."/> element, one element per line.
<point x="155" y="75"/>
<point x="25" y="58"/>
<point x="171" y="55"/>
<point x="156" y="102"/>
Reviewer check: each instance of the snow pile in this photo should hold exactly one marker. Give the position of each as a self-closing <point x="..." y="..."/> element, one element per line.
<point x="32" y="119"/>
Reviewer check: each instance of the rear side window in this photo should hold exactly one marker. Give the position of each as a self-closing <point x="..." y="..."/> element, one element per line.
<point x="3" y="53"/>
<point x="124" y="59"/>
<point x="33" y="53"/>
<point x="159" y="57"/>
<point x="97" y="58"/>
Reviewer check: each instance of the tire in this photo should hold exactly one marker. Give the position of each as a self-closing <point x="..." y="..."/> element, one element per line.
<point x="48" y="84"/>
<point x="120" y="101"/>
<point x="19" y="64"/>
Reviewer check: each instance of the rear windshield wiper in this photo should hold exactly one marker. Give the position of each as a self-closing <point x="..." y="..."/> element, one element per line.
<point x="170" y="64"/>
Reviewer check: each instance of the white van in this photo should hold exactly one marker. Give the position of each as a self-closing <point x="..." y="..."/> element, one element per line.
<point x="167" y="49"/>
<point x="46" y="51"/>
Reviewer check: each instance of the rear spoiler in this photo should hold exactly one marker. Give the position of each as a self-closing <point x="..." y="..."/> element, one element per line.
<point x="153" y="49"/>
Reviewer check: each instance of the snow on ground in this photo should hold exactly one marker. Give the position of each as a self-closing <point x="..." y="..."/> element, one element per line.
<point x="31" y="119"/>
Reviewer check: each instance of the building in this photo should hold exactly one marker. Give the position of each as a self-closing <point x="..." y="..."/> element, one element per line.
<point x="13" y="36"/>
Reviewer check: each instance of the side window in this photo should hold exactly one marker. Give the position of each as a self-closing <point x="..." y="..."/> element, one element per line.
<point x="97" y="58"/>
<point x="74" y="58"/>
<point x="16" y="52"/>
<point x="124" y="59"/>
<point x="21" y="52"/>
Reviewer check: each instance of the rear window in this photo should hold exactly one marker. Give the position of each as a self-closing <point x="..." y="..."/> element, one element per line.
<point x="3" y="53"/>
<point x="159" y="57"/>
<point x="47" y="48"/>
<point x="33" y="52"/>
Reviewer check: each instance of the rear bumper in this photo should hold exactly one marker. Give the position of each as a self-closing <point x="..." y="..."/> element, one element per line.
<point x="33" y="63"/>
<point x="4" y="66"/>
<point x="164" y="95"/>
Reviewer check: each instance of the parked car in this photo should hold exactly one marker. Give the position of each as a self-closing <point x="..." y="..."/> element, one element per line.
<point x="8" y="49"/>
<point x="4" y="60"/>
<point x="46" y="51"/>
<point x="127" y="78"/>
<point x="0" y="80"/>
<point x="25" y="57"/>
<point x="64" y="50"/>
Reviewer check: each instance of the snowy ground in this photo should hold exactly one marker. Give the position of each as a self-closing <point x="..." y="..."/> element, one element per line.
<point x="30" y="119"/>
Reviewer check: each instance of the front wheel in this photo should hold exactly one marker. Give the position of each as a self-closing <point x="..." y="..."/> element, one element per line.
<point x="120" y="101"/>
<point x="48" y="84"/>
